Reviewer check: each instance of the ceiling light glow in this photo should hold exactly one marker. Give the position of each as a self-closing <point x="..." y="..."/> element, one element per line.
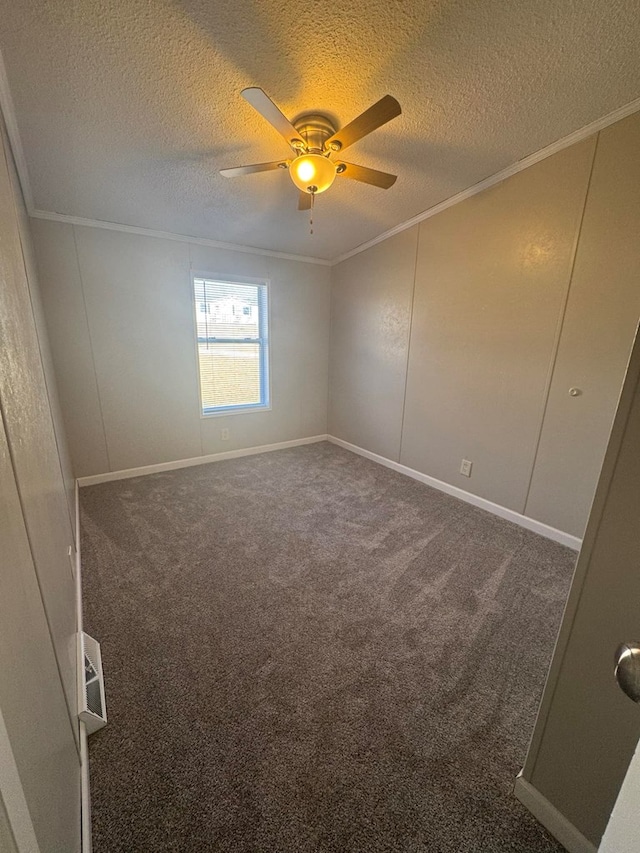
<point x="312" y="170"/>
<point x="305" y="170"/>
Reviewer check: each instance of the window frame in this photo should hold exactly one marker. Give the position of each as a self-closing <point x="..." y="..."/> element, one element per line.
<point x="265" y="348"/>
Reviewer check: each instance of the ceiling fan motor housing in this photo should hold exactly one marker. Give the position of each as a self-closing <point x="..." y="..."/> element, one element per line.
<point x="314" y="129"/>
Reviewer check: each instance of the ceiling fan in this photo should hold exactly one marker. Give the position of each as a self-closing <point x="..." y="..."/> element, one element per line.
<point x="314" y="141"/>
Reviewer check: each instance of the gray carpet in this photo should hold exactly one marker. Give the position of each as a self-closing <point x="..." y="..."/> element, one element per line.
<point x="305" y="651"/>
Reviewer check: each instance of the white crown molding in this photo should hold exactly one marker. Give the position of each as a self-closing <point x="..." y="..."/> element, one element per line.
<point x="15" y="141"/>
<point x="11" y="124"/>
<point x="169" y="235"/>
<point x="492" y="180"/>
<point x="519" y="166"/>
<point x="7" y="107"/>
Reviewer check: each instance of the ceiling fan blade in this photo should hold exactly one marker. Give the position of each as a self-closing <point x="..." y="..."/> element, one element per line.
<point x="267" y="109"/>
<point x="368" y="176"/>
<point x="377" y="115"/>
<point x="304" y="201"/>
<point x="237" y="171"/>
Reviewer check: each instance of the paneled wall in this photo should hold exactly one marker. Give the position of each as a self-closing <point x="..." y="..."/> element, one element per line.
<point x="491" y="281"/>
<point x="120" y="314"/>
<point x="462" y="337"/>
<point x="39" y="732"/>
<point x="587" y="728"/>
<point x="599" y="324"/>
<point x="370" y="321"/>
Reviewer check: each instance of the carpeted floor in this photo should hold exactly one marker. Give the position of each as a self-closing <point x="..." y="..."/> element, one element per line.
<point x="305" y="651"/>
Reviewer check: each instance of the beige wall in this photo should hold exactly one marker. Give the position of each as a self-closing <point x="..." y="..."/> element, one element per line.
<point x="501" y="326"/>
<point x="38" y="701"/>
<point x="51" y="383"/>
<point x="499" y="320"/>
<point x="370" y="321"/>
<point x="598" y="327"/>
<point x="587" y="729"/>
<point x="491" y="280"/>
<point x="120" y="317"/>
<point x="458" y="337"/>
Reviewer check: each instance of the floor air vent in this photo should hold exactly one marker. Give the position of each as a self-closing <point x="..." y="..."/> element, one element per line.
<point x="93" y="709"/>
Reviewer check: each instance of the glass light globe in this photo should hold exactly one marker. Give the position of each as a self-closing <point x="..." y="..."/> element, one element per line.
<point x="312" y="170"/>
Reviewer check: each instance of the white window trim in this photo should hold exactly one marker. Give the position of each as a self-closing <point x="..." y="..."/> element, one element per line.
<point x="231" y="279"/>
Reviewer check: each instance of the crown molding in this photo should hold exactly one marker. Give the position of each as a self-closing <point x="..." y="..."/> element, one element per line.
<point x="9" y="114"/>
<point x="11" y="124"/>
<point x="169" y="235"/>
<point x="8" y="111"/>
<point x="519" y="166"/>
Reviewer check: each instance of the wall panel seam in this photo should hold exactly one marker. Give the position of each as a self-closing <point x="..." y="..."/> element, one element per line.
<point x="13" y="802"/>
<point x="40" y="353"/>
<point x="330" y="371"/>
<point x="93" y="360"/>
<point x="559" y="329"/>
<point x="406" y="367"/>
<point x="70" y="711"/>
<point x="581" y="573"/>
<point x="19" y="492"/>
<point x="328" y="340"/>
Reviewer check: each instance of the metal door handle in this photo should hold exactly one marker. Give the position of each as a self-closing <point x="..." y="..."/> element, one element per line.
<point x="628" y="669"/>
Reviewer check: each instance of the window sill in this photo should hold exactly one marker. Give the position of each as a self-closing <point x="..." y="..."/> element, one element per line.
<point x="236" y="410"/>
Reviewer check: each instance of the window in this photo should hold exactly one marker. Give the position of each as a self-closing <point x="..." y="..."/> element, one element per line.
<point x="231" y="328"/>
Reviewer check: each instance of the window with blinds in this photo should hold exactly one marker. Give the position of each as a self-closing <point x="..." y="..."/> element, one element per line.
<point x="231" y="328"/>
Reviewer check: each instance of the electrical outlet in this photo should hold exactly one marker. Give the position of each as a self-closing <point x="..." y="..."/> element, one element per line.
<point x="224" y="435"/>
<point x="465" y="468"/>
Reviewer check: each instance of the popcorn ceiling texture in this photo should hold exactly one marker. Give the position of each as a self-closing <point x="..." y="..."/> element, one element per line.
<point x="127" y="109"/>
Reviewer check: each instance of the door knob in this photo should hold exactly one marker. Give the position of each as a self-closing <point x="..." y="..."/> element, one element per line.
<point x="628" y="669"/>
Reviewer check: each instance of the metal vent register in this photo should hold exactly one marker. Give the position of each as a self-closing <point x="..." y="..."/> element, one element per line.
<point x="93" y="709"/>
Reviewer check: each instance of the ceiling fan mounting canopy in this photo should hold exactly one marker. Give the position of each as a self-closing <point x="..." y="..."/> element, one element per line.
<point x="314" y="139"/>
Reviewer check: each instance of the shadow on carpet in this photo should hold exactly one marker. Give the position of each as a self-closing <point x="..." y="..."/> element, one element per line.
<point x="305" y="651"/>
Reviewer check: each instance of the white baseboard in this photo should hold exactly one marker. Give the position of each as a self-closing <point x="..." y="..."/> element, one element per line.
<point x="126" y="474"/>
<point x="85" y="794"/>
<point x="510" y="515"/>
<point x="549" y="816"/>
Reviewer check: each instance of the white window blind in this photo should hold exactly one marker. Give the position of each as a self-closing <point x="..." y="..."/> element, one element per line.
<point x="231" y="327"/>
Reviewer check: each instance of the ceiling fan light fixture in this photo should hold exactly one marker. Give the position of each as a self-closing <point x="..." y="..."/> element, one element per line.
<point x="312" y="170"/>
<point x="314" y="139"/>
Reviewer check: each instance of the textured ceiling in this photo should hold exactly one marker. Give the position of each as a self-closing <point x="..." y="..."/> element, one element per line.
<point x="128" y="108"/>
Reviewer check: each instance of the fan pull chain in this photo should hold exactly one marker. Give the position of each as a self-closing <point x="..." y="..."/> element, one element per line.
<point x="313" y="195"/>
